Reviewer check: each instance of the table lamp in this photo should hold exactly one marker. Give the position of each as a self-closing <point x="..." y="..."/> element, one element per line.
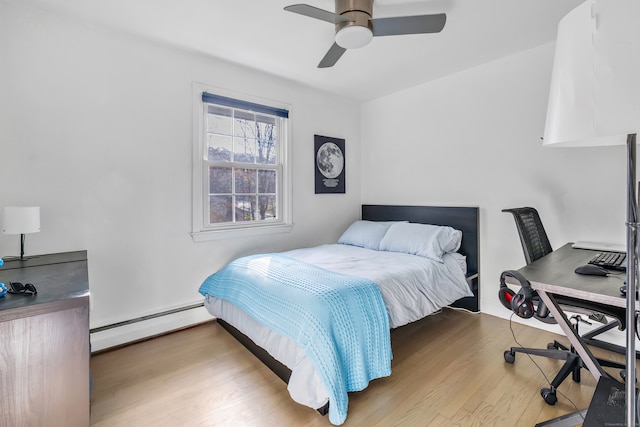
<point x="594" y="100"/>
<point x="21" y="220"/>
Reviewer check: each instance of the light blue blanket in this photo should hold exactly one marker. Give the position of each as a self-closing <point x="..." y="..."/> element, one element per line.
<point x="340" y="321"/>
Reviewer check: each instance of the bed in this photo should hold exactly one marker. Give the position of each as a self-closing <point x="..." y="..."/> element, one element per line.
<point x="414" y="283"/>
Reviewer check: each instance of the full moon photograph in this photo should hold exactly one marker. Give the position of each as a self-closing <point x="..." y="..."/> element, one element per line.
<point x="330" y="160"/>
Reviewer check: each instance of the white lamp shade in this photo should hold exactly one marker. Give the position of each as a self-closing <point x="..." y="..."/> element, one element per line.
<point x="585" y="107"/>
<point x="21" y="220"/>
<point x="616" y="42"/>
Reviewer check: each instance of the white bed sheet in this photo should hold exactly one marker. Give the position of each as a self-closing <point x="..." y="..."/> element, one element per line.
<point x="412" y="287"/>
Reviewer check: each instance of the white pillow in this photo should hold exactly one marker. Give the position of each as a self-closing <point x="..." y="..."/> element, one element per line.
<point x="365" y="234"/>
<point x="426" y="240"/>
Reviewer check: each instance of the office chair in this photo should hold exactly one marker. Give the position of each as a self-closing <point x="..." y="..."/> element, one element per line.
<point x="533" y="238"/>
<point x="535" y="245"/>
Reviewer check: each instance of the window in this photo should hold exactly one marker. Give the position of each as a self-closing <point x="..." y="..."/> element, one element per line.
<point x="242" y="180"/>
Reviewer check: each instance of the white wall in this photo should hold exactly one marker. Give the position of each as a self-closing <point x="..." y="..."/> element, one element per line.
<point x="96" y="128"/>
<point x="473" y="138"/>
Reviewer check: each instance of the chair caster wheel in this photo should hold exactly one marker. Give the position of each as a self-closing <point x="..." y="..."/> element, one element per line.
<point x="549" y="396"/>
<point x="509" y="356"/>
<point x="551" y="346"/>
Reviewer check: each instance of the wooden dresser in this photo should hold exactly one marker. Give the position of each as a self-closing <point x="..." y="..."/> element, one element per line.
<point x="44" y="343"/>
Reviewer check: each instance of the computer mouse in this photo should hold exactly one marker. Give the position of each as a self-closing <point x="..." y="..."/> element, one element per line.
<point x="592" y="270"/>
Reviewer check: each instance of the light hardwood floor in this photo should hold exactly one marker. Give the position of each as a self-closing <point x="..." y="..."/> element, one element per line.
<point x="448" y="370"/>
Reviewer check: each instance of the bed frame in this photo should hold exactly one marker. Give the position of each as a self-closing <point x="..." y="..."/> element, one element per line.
<point x="465" y="219"/>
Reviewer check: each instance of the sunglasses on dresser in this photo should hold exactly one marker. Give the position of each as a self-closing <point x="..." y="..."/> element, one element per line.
<point x="18" y="288"/>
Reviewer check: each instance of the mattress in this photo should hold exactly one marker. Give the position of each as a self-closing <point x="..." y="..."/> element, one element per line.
<point x="412" y="287"/>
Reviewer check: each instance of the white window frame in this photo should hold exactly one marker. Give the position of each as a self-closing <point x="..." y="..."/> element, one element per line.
<point x="201" y="229"/>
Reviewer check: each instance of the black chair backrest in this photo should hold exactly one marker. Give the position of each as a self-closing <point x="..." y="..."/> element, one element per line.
<point x="535" y="242"/>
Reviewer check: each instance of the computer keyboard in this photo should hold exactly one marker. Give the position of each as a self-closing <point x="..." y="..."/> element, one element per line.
<point x="610" y="260"/>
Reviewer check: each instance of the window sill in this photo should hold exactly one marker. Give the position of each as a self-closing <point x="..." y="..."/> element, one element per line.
<point x="232" y="233"/>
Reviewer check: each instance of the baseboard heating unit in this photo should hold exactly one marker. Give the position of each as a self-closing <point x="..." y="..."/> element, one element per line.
<point x="144" y="327"/>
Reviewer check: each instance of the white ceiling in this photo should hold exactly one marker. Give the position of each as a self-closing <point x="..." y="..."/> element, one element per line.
<point x="260" y="34"/>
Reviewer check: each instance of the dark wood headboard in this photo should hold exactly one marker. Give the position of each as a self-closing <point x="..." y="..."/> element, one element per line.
<point x="464" y="218"/>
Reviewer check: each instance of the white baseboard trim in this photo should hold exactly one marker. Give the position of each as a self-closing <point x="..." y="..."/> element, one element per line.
<point x="127" y="332"/>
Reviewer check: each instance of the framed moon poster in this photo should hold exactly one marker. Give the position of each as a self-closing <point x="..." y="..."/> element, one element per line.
<point x="330" y="164"/>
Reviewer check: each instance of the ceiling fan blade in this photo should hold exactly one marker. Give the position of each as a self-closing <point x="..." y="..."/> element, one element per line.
<point x="419" y="24"/>
<point x="332" y="56"/>
<point x="314" y="12"/>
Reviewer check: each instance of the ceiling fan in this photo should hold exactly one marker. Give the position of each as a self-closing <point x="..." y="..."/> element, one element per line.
<point x="355" y="25"/>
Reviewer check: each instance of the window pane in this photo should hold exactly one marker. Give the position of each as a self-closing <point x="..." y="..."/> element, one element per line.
<point x="219" y="180"/>
<point x="220" y="209"/>
<point x="267" y="207"/>
<point x="266" y="119"/>
<point x="245" y="181"/>
<point x="266" y="140"/>
<point x="245" y="208"/>
<point x="244" y="124"/>
<point x="266" y="181"/>
<point x="219" y="147"/>
<point x="219" y="120"/>
<point x="244" y="150"/>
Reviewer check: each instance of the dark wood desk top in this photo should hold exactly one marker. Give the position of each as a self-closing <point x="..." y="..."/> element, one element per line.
<point x="57" y="277"/>
<point x="554" y="273"/>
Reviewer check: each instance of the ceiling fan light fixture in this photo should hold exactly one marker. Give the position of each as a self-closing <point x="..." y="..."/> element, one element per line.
<point x="353" y="37"/>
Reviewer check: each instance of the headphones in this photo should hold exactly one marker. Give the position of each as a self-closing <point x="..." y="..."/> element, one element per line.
<point x="521" y="302"/>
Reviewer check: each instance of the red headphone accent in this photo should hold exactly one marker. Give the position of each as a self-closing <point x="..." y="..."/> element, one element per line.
<point x="521" y="302"/>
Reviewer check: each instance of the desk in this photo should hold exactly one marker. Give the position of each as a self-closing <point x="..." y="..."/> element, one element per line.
<point x="553" y="276"/>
